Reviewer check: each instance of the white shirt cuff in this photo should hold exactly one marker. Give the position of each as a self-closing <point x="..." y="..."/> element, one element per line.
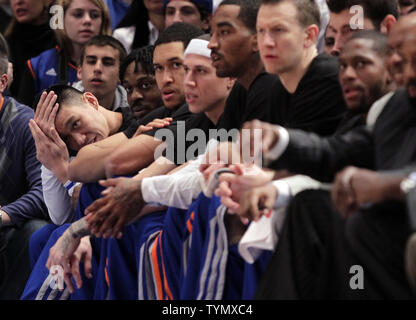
<point x="280" y="146"/>
<point x="172" y="190"/>
<point x="149" y="191"/>
<point x="283" y="193"/>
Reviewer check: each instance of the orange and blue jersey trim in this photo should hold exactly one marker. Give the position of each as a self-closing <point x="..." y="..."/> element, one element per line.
<point x="156" y="271"/>
<point x="29" y="64"/>
<point x="162" y="287"/>
<point x="107" y="278"/>
<point x="168" y="292"/>
<point x="69" y="63"/>
<point x="190" y="222"/>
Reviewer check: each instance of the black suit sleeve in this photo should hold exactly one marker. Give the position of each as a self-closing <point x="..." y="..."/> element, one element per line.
<point x="321" y="158"/>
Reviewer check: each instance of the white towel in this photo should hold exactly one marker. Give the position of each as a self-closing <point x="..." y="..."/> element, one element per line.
<point x="262" y="235"/>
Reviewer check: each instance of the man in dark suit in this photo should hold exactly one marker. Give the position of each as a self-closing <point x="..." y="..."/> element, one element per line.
<point x="320" y="246"/>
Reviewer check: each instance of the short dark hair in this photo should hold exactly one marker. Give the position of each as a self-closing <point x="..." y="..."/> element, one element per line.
<point x="379" y="40"/>
<point x="4" y="55"/>
<point x="204" y="13"/>
<point x="308" y="11"/>
<point x="375" y="10"/>
<point x="248" y="11"/>
<point x="102" y="41"/>
<point x="141" y="56"/>
<point x="65" y="95"/>
<point x="178" y="32"/>
<point x="204" y="8"/>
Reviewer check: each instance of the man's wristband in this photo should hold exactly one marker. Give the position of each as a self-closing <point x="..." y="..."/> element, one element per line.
<point x="68" y="185"/>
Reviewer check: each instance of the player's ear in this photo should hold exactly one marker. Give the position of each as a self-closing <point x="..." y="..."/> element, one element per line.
<point x="90" y="99"/>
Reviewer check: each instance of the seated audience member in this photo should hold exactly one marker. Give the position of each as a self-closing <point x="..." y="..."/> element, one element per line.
<point x="361" y="234"/>
<point x="405" y="6"/>
<point x="324" y="17"/>
<point x="195" y="12"/>
<point x="28" y="34"/>
<point x="22" y="210"/>
<point x="308" y="95"/>
<point x="99" y="72"/>
<point x="141" y="25"/>
<point x="398" y="32"/>
<point x="380" y="15"/>
<point x="82" y="21"/>
<point x="5" y="15"/>
<point x="329" y="40"/>
<point x="233" y="45"/>
<point x="138" y="78"/>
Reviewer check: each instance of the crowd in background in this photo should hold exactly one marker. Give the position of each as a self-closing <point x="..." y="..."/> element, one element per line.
<point x="123" y="129"/>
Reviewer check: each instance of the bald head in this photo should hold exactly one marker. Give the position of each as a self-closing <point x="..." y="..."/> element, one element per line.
<point x="408" y="53"/>
<point x="405" y="25"/>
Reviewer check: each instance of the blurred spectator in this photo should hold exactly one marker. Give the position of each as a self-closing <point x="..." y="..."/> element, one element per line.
<point x="141" y="25"/>
<point x="379" y="15"/>
<point x="324" y="12"/>
<point x="405" y="6"/>
<point x="28" y="34"/>
<point x="195" y="12"/>
<point x="5" y="14"/>
<point x="329" y="40"/>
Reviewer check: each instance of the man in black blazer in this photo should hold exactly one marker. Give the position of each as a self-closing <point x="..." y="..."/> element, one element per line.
<point x="319" y="249"/>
